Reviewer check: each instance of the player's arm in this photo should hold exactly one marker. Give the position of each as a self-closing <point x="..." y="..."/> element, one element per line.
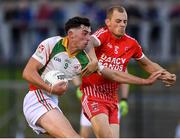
<point x="93" y="65"/>
<point x="123" y="104"/>
<point x="168" y="78"/>
<point x="30" y="73"/>
<point x="124" y="90"/>
<point x="123" y="77"/>
<point x="77" y="82"/>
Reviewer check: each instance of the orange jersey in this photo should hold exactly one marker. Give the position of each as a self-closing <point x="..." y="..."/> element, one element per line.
<point x="114" y="53"/>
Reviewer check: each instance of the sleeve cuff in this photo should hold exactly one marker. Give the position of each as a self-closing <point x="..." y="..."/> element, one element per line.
<point x="100" y="66"/>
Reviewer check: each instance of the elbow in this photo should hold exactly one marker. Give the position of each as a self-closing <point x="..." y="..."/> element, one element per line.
<point x="115" y="77"/>
<point x="24" y="74"/>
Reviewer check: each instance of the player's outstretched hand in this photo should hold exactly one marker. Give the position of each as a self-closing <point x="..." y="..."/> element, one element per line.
<point x="168" y="79"/>
<point x="91" y="67"/>
<point x="59" y="88"/>
<point x="153" y="77"/>
<point x="123" y="105"/>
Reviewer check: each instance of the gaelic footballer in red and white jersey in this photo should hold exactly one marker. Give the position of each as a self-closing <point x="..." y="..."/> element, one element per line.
<point x="114" y="53"/>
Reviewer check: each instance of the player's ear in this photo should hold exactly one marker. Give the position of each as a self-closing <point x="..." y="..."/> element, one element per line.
<point x="70" y="33"/>
<point x="107" y="22"/>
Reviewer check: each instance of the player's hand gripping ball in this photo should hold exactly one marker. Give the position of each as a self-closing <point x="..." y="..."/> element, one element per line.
<point x="53" y="77"/>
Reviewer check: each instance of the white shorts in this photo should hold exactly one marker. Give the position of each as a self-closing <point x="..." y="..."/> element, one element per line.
<point x="36" y="103"/>
<point x="83" y="120"/>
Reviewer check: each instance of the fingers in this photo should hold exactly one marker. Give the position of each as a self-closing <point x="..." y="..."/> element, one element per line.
<point x="99" y="72"/>
<point x="156" y="74"/>
<point x="85" y="72"/>
<point x="91" y="67"/>
<point x="168" y="79"/>
<point x="168" y="83"/>
<point x="60" y="88"/>
<point x="173" y="77"/>
<point x="153" y="77"/>
<point x="168" y="76"/>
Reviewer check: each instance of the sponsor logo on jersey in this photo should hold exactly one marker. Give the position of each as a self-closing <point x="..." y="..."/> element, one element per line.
<point x="109" y="45"/>
<point x="57" y="59"/>
<point x="112" y="62"/>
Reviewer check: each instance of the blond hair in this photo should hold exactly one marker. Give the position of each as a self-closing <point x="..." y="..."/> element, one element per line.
<point x="110" y="11"/>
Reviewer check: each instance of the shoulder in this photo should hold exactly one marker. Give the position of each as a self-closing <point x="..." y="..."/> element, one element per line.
<point x="127" y="37"/>
<point x="101" y="31"/>
<point x="52" y="40"/>
<point x="101" y="35"/>
<point x="130" y="39"/>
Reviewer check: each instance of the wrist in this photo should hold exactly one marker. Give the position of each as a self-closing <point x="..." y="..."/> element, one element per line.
<point x="144" y="81"/>
<point x="51" y="89"/>
<point x="94" y="61"/>
<point x="124" y="99"/>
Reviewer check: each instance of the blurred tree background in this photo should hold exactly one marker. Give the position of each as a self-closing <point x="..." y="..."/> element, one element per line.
<point x="153" y="110"/>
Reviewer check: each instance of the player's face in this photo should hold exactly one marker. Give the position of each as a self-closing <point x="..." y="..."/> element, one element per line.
<point x="81" y="37"/>
<point x="117" y="23"/>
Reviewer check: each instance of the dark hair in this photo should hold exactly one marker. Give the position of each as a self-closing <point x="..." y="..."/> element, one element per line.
<point x="76" y="22"/>
<point x="110" y="11"/>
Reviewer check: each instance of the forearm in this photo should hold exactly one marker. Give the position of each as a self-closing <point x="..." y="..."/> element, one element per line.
<point x="153" y="67"/>
<point x="125" y="89"/>
<point x="34" y="78"/>
<point x="93" y="64"/>
<point x="76" y="81"/>
<point x="90" y="49"/>
<point x="149" y="65"/>
<point x="123" y="77"/>
<point x="91" y="53"/>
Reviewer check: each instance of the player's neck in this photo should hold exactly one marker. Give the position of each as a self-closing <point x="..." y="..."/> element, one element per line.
<point x="117" y="36"/>
<point x="72" y="49"/>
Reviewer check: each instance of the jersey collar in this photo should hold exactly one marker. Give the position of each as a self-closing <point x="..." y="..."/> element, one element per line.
<point x="65" y="44"/>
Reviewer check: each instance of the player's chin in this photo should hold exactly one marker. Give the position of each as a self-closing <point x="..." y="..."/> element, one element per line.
<point x="121" y="33"/>
<point x="83" y="46"/>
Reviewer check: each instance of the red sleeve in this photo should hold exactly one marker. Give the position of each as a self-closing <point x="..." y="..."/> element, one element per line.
<point x="101" y="35"/>
<point x="138" y="54"/>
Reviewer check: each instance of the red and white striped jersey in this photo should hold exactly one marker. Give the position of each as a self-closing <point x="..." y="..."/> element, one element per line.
<point x="114" y="53"/>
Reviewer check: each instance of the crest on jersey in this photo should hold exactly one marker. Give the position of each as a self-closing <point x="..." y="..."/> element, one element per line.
<point x="126" y="48"/>
<point x="40" y="48"/>
<point x="116" y="49"/>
